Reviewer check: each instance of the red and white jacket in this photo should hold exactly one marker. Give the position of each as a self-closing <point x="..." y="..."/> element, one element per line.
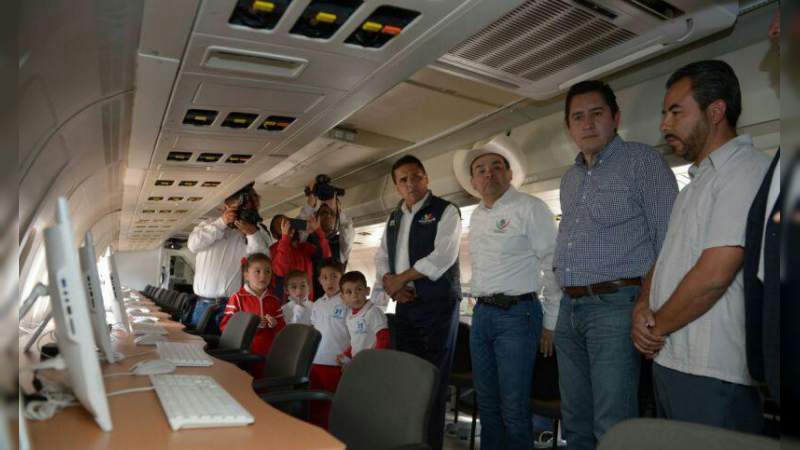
<point x="246" y="300"/>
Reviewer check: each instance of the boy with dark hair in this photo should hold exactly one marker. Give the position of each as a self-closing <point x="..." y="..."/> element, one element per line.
<point x="366" y="323"/>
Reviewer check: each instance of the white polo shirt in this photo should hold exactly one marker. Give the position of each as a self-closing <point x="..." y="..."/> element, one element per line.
<point x="328" y="316"/>
<point x="511" y="245"/>
<point x="363" y="326"/>
<point x="297" y="313"/>
<point x="711" y="211"/>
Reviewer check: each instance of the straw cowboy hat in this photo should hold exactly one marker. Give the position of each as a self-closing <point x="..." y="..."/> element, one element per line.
<point x="501" y="145"/>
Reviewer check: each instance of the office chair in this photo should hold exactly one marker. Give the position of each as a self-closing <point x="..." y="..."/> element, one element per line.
<point x="461" y="377"/>
<point x="238" y="334"/>
<point x="205" y="324"/>
<point x="383" y="401"/>
<point x="545" y="395"/>
<point x="288" y="365"/>
<point x="661" y="434"/>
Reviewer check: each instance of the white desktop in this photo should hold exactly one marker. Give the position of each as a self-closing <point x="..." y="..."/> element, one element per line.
<point x="95" y="297"/>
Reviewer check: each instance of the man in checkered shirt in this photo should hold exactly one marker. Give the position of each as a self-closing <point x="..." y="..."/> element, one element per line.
<point x="616" y="202"/>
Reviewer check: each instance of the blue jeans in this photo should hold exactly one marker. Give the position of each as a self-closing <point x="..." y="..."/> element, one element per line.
<point x="598" y="366"/>
<point x="202" y="305"/>
<point x="503" y="345"/>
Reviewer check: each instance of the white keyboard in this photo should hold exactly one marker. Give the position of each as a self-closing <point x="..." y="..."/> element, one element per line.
<point x="184" y="354"/>
<point x="148" y="328"/>
<point x="198" y="401"/>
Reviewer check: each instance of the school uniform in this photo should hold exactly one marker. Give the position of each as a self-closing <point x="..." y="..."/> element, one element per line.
<point x="328" y="316"/>
<point x="297" y="312"/>
<point x="368" y="328"/>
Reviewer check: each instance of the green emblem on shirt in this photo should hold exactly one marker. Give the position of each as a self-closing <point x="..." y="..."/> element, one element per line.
<point x="502" y="224"/>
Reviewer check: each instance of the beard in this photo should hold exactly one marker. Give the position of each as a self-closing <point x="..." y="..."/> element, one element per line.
<point x="694" y="143"/>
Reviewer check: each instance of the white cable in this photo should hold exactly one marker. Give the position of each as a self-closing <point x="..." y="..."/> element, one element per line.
<point x="128" y="391"/>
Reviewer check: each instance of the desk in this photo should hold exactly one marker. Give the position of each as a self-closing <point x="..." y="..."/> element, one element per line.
<point x="140" y="423"/>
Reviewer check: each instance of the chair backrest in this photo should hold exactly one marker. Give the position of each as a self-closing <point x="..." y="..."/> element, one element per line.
<point x="462" y="362"/>
<point x="661" y="434"/>
<point x="383" y="400"/>
<point x="545" y="379"/>
<point x="206" y="324"/>
<point x="292" y="351"/>
<point x="239" y="332"/>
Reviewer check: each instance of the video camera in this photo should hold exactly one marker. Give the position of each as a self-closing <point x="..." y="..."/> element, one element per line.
<point x="246" y="212"/>
<point x="323" y="189"/>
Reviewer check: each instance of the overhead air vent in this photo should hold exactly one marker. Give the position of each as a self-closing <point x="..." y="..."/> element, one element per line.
<point x="381" y="26"/>
<point x="194" y="199"/>
<point x="179" y="156"/>
<point x="154" y="199"/>
<point x="258" y="14"/>
<point x="322" y="18"/>
<point x="187" y="183"/>
<point x="209" y="157"/>
<point x="210" y="184"/>
<point x="164" y="182"/>
<point x="175" y="199"/>
<point x="165" y="211"/>
<point x="246" y="61"/>
<point x="276" y="123"/>
<point x="238" y="159"/>
<point x="542" y="47"/>
<point x="239" y="120"/>
<point x="199" y="117"/>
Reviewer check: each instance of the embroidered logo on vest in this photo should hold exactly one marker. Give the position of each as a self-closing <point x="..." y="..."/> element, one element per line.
<point x="426" y="219"/>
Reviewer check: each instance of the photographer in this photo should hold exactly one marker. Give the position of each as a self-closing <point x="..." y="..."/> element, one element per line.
<point x="220" y="244"/>
<point x="323" y="201"/>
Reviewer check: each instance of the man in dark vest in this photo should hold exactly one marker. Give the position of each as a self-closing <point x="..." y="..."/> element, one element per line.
<point x="417" y="266"/>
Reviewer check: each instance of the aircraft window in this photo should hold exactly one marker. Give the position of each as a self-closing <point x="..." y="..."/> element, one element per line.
<point x="238" y="159"/>
<point x="381" y="26"/>
<point x="239" y="120"/>
<point x="259" y="14"/>
<point x="187" y="183"/>
<point x="179" y="156"/>
<point x="322" y="18"/>
<point x="209" y="157"/>
<point x="164" y="182"/>
<point x="199" y="117"/>
<point x="276" y="123"/>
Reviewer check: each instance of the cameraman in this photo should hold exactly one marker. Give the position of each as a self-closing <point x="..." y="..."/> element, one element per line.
<point x="220" y="245"/>
<point x="323" y="200"/>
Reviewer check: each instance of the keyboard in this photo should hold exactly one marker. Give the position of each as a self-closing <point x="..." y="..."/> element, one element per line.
<point x="147" y="328"/>
<point x="184" y="354"/>
<point x="198" y="401"/>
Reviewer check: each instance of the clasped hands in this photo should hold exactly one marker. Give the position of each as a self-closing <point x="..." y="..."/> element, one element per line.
<point x="395" y="286"/>
<point x="644" y="333"/>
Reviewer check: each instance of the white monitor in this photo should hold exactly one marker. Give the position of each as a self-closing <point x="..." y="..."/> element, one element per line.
<point x="94" y="295"/>
<point x="113" y="293"/>
<point x="71" y="313"/>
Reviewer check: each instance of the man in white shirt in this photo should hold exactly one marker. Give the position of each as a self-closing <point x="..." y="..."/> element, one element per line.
<point x="220" y="245"/>
<point x="693" y="324"/>
<point x="512" y="238"/>
<point x="417" y="266"/>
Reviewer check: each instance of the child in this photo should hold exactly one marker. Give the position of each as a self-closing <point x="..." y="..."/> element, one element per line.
<point x="254" y="297"/>
<point x="328" y="317"/>
<point x="366" y="323"/>
<point x="290" y="254"/>
<point x="297" y="309"/>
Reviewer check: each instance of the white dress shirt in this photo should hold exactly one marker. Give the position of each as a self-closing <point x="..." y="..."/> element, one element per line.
<point x="219" y="249"/>
<point x="435" y="264"/>
<point x="345" y="228"/>
<point x="511" y="245"/>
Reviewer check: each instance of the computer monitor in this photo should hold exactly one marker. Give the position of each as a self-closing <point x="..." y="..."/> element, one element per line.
<point x="94" y="295"/>
<point x="112" y="292"/>
<point x="71" y="313"/>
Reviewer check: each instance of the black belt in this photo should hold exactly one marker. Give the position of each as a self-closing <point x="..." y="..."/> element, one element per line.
<point x="505" y="301"/>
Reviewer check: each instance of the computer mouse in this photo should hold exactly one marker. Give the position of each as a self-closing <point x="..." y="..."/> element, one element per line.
<point x="149" y="339"/>
<point x="153" y="367"/>
<point x="142" y="319"/>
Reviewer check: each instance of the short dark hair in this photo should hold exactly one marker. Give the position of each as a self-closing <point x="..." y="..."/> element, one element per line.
<point x="353" y="277"/>
<point x="332" y="264"/>
<point x="295" y="274"/>
<point x="405" y="160"/>
<point x="275" y="225"/>
<point x="585" y="87"/>
<point x="505" y="161"/>
<point x="255" y="257"/>
<point x="712" y="80"/>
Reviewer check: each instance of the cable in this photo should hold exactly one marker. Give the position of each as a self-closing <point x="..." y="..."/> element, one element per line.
<point x="129" y="391"/>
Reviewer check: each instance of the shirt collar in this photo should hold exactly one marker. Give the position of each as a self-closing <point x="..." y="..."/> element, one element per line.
<point x="722" y="154"/>
<point x="416" y="206"/>
<point x="607" y="151"/>
<point x="250" y="291"/>
<point x="507" y="197"/>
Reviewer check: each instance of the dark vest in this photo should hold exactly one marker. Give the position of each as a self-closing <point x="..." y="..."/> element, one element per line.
<point x="442" y="294"/>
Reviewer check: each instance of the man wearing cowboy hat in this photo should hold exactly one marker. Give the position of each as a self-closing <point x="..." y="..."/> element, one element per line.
<point x="417" y="266"/>
<point x="511" y="241"/>
<point x="616" y="202"/>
